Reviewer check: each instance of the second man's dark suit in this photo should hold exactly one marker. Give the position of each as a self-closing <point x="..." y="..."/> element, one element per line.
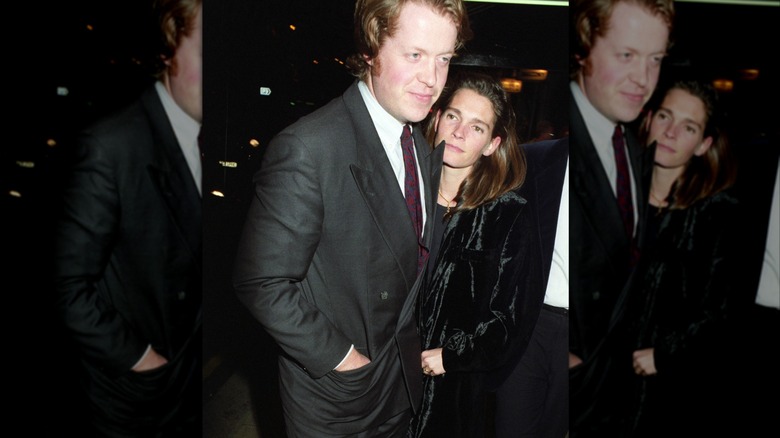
<point x="542" y="188"/>
<point x="328" y="258"/>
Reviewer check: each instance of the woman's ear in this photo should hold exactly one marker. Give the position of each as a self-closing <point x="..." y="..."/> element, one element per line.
<point x="492" y="146"/>
<point x="703" y="147"/>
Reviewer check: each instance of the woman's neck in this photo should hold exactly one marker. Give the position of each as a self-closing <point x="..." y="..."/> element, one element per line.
<point x="661" y="185"/>
<point x="449" y="184"/>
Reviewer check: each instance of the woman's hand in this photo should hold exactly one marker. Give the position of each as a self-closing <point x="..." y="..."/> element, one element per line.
<point x="644" y="364"/>
<point x="432" y="364"/>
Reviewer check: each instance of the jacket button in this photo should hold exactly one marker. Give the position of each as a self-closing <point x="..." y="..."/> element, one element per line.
<point x="383" y="295"/>
<point x="181" y="295"/>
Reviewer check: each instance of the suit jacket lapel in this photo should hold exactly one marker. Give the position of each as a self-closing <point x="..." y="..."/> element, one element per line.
<point x="377" y="184"/>
<point x="172" y="175"/>
<point x="589" y="183"/>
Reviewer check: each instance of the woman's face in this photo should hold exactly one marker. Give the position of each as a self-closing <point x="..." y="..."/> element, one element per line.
<point x="466" y="126"/>
<point x="678" y="128"/>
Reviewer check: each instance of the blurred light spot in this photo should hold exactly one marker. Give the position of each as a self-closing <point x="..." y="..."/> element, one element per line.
<point x="534" y="74"/>
<point x="14" y="193"/>
<point x="265" y="91"/>
<point x="316" y="62"/>
<point x="228" y="163"/>
<point x="292" y="27"/>
<point x="512" y="85"/>
<point x="62" y="91"/>
<point x="89" y="27"/>
<point x="217" y="193"/>
<point x="26" y="164"/>
<point x="749" y="74"/>
<point x="724" y="85"/>
<point x="51" y="142"/>
<point x="254" y="143"/>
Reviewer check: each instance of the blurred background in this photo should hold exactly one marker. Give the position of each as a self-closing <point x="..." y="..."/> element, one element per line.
<point x="267" y="63"/>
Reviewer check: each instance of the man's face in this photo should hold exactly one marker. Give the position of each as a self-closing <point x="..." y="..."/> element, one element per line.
<point x="410" y="70"/>
<point x="183" y="78"/>
<point x="621" y="72"/>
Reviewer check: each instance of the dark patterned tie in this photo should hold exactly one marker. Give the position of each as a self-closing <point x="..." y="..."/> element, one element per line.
<point x="623" y="182"/>
<point x="412" y="192"/>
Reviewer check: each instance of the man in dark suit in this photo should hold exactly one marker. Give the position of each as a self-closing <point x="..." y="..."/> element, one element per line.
<point x="757" y="325"/>
<point x="534" y="399"/>
<point x="617" y="60"/>
<point x="329" y="256"/>
<point x="128" y="250"/>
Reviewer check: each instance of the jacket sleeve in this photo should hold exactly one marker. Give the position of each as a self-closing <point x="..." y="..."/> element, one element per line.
<point x="85" y="237"/>
<point x="711" y="277"/>
<point x="508" y="305"/>
<point x="280" y="236"/>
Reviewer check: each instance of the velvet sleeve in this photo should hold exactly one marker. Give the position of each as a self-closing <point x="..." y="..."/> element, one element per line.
<point x="707" y="285"/>
<point x="500" y="285"/>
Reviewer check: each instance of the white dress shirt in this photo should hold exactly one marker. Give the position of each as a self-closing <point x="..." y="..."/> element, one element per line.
<point x="557" y="294"/>
<point x="186" y="129"/>
<point x="389" y="130"/>
<point x="601" y="129"/>
<point x="769" y="284"/>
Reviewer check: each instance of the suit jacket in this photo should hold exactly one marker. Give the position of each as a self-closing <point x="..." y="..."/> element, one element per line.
<point x="128" y="247"/>
<point x="758" y="165"/>
<point x="328" y="259"/>
<point x="542" y="189"/>
<point x="599" y="249"/>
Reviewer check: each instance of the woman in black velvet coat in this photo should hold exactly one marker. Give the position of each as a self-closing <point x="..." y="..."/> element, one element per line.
<point x="483" y="296"/>
<point x="684" y="296"/>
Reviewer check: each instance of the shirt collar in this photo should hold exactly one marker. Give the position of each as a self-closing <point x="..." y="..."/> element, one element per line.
<point x="184" y="126"/>
<point x="599" y="127"/>
<point x="387" y="127"/>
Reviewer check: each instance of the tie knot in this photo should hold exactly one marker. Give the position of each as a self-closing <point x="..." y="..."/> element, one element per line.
<point x="617" y="133"/>
<point x="617" y="137"/>
<point x="407" y="132"/>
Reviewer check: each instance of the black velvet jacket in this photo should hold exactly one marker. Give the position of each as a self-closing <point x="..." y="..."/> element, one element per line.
<point x="482" y="301"/>
<point x="683" y="302"/>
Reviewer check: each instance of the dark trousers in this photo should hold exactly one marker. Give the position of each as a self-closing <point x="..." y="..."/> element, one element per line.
<point x="395" y="427"/>
<point x="534" y="400"/>
<point x="757" y="381"/>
